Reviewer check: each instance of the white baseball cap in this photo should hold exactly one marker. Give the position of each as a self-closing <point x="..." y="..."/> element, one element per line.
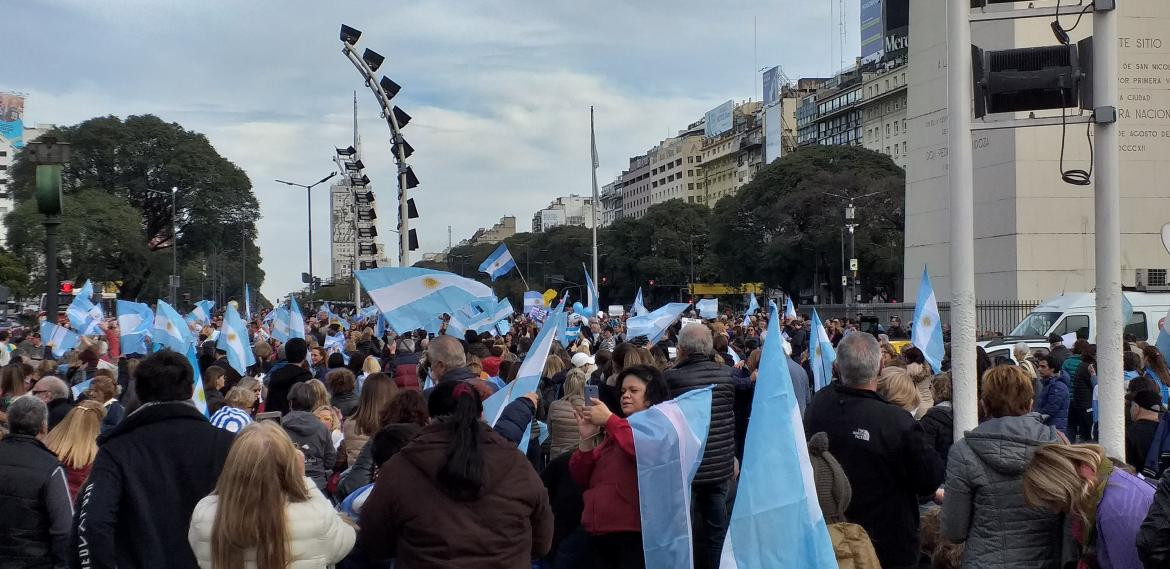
<point x="581" y="359"/>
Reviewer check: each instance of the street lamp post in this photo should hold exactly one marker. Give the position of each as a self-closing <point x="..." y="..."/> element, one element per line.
<point x="309" y="200"/>
<point x="849" y="287"/>
<point x="49" y="155"/>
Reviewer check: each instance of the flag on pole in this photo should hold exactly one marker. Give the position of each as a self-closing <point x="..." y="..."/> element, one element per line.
<point x="822" y="354"/>
<point x="134" y="323"/>
<point x="83" y="314"/>
<point x="654" y="325"/>
<point x="927" y="332"/>
<point x="296" y="320"/>
<point x="280" y="330"/>
<point x="202" y="311"/>
<point x="753" y="306"/>
<point x="638" y="309"/>
<point x="169" y="329"/>
<point x="499" y="263"/>
<point x="668" y="443"/>
<point x="59" y="338"/>
<point x="248" y="303"/>
<point x="527" y="377"/>
<point x="233" y="340"/>
<point x="776" y="525"/>
<point x="198" y="396"/>
<point x="708" y="308"/>
<point x="789" y="309"/>
<point x="410" y="298"/>
<point x="593" y="295"/>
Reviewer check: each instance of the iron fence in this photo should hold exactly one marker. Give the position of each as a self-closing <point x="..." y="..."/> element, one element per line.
<point x="992" y="317"/>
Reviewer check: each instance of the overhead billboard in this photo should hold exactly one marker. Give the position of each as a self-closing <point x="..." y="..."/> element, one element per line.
<point x="872" y="30"/>
<point x="773" y="133"/>
<point x="719" y="120"/>
<point x="896" y="29"/>
<point x="772" y="86"/>
<point x="12" y="118"/>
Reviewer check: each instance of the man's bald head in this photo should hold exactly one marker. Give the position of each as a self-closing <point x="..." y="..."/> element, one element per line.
<point x="447" y="351"/>
<point x="50" y="388"/>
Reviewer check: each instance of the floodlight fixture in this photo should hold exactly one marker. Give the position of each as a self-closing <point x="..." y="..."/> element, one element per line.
<point x="350" y="35"/>
<point x="401" y="117"/>
<point x="372" y="59"/>
<point x="350" y="151"/>
<point x="389" y="87"/>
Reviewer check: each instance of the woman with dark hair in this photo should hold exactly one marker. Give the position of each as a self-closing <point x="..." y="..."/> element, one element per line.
<point x="458" y="495"/>
<point x="1157" y="370"/>
<point x="366" y="420"/>
<point x="607" y="470"/>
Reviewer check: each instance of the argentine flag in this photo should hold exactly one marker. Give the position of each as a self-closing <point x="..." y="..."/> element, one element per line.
<point x="708" y="308"/>
<point x="381" y="326"/>
<point x="927" y="332"/>
<point x="202" y="311"/>
<point x="248" y="303"/>
<point x="668" y="443"/>
<point x="169" y="329"/>
<point x="654" y="325"/>
<point x="59" y="338"/>
<point x="499" y="263"/>
<point x="1163" y="341"/>
<point x="532" y="299"/>
<point x="776" y="524"/>
<point x="593" y="295"/>
<point x="83" y="314"/>
<point x="487" y="321"/>
<point x="296" y="320"/>
<point x="233" y="340"/>
<point x="821" y="353"/>
<point x="333" y="317"/>
<point x="410" y="298"/>
<point x="638" y="309"/>
<point x="134" y="323"/>
<point x="280" y="324"/>
<point x="527" y="378"/>
<point x="789" y="309"/>
<point x="753" y="306"/>
<point x="198" y="396"/>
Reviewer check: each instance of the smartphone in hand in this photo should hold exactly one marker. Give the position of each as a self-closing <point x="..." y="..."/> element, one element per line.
<point x="590" y="394"/>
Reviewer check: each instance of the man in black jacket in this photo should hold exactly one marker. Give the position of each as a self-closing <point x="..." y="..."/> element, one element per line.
<point x="696" y="368"/>
<point x="1153" y="539"/>
<point x="150" y="471"/>
<point x="882" y="449"/>
<point x="284" y="375"/>
<point x="55" y="393"/>
<point x="34" y="495"/>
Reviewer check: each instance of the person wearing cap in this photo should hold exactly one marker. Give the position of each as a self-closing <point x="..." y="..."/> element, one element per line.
<point x="1145" y="409"/>
<point x="584" y="361"/>
<point x="1057" y="349"/>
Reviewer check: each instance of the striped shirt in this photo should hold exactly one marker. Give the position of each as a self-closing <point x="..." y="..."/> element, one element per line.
<point x="231" y="419"/>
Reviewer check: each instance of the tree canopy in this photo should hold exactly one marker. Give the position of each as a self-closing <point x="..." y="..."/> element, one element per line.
<point x="118" y="221"/>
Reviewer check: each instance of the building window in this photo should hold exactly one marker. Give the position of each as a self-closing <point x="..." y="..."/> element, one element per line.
<point x="887" y="129"/>
<point x="895" y="128"/>
<point x="903" y="147"/>
<point x="887" y="150"/>
<point x="896" y="150"/>
<point x="3" y="153"/>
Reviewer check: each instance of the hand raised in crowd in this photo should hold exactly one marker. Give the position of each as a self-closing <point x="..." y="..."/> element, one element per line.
<point x="534" y="397"/>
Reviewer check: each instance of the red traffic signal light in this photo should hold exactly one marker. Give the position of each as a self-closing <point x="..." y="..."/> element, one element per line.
<point x="66" y="287"/>
<point x="604" y="280"/>
<point x="651" y="282"/>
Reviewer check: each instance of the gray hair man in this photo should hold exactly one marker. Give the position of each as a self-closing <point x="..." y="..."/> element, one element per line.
<point x="448" y="361"/>
<point x="882" y="449"/>
<point x="696" y="368"/>
<point x="55" y="393"/>
<point x="34" y="493"/>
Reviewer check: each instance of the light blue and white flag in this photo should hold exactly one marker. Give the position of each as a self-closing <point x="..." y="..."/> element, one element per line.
<point x="198" y="397"/>
<point x="821" y="353"/>
<point x="368" y="313"/>
<point x="708" y="308"/>
<point x="654" y="325"/>
<point x="1126" y="310"/>
<point x="733" y="355"/>
<point x="202" y="312"/>
<point x="503" y="327"/>
<point x="296" y="320"/>
<point x="331" y="317"/>
<point x="280" y="330"/>
<point x="59" y="338"/>
<point x="247" y="302"/>
<point x="134" y="323"/>
<point x="668" y="442"/>
<point x="593" y="302"/>
<point x="268" y="317"/>
<point x="1162" y="343"/>
<point x="776" y="525"/>
<point x="527" y="377"/>
<point x="80" y="388"/>
<point x="789" y="309"/>
<point x="753" y="306"/>
<point x="487" y="320"/>
<point x="410" y="298"/>
<point x="532" y="299"/>
<point x="335" y="344"/>
<point x="499" y="263"/>
<point x="83" y="314"/>
<point x="381" y="326"/>
<point x="170" y="330"/>
<point x="638" y="309"/>
<point x="927" y="332"/>
<point x="572" y="333"/>
<point x="233" y="340"/>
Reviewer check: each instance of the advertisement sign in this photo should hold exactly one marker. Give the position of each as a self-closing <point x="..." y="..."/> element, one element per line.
<point x="719" y="120"/>
<point x="12" y="118"/>
<point x="872" y="30"/>
<point x="772" y="86"/>
<point x="773" y="134"/>
<point x="896" y="29"/>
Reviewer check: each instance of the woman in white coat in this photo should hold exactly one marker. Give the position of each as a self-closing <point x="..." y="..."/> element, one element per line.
<point x="264" y="513"/>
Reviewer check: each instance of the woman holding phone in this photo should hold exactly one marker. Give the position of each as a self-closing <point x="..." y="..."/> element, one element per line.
<point x="605" y="467"/>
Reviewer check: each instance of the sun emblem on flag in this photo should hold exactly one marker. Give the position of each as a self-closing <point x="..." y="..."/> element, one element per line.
<point x="818" y="350"/>
<point x="170" y="327"/>
<point x="430" y="283"/>
<point x="232" y="336"/>
<point x="926" y="321"/>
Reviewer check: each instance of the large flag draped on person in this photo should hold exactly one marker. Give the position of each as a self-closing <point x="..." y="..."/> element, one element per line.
<point x="669" y="440"/>
<point x="708" y="308"/>
<point x="499" y="263"/>
<point x="85" y="316"/>
<point x="776" y="525"/>
<point x="134" y="323"/>
<point x="527" y="377"/>
<point x="654" y="325"/>
<point x="753" y="306"/>
<point x="821" y="353"/>
<point x="638" y="308"/>
<point x="233" y="340"/>
<point x="926" y="334"/>
<point x="59" y="338"/>
<point x="410" y="297"/>
<point x="170" y="330"/>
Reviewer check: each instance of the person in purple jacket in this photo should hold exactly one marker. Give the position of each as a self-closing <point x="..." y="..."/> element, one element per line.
<point x="1106" y="505"/>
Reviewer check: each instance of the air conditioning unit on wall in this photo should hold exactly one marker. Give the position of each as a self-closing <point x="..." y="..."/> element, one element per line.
<point x="1151" y="280"/>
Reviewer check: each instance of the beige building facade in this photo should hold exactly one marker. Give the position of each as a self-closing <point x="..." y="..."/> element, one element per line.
<point x="1034" y="234"/>
<point x="732" y="159"/>
<point x="883" y="110"/>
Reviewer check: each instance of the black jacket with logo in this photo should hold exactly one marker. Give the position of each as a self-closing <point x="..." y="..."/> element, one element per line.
<point x="888" y="460"/>
<point x="150" y="471"/>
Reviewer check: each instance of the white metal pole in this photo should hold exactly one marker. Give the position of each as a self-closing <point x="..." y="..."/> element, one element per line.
<point x="1107" y="203"/>
<point x="959" y="99"/>
<point x="593" y="152"/>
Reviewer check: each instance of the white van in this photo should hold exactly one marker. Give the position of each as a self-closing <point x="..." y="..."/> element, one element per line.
<point x="1077" y="312"/>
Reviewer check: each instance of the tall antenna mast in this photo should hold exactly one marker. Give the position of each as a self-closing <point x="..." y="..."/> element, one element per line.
<point x="841" y="19"/>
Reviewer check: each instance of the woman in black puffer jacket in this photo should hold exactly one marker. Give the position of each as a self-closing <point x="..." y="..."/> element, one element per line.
<point x="939" y="420"/>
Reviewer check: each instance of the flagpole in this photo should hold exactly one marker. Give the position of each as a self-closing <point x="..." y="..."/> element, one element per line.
<point x="593" y="147"/>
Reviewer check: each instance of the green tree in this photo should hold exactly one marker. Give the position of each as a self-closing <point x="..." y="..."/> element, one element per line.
<point x="131" y="160"/>
<point x="14" y="274"/>
<point x="784" y="227"/>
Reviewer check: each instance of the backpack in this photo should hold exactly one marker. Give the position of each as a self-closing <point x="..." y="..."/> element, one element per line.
<point x="852" y="546"/>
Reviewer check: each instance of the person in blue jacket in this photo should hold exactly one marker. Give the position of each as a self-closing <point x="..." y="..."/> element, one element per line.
<point x="1054" y="393"/>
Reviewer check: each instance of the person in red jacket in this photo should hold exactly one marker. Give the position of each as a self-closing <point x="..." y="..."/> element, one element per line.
<point x="608" y="470"/>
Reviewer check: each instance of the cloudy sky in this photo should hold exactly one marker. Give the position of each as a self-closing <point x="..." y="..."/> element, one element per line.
<point x="499" y="91"/>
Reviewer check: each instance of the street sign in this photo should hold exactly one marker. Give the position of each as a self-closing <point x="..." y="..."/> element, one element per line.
<point x="844" y="280"/>
<point x="853" y="265"/>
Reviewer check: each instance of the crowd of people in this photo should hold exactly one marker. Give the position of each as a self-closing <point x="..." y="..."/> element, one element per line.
<point x="375" y="452"/>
